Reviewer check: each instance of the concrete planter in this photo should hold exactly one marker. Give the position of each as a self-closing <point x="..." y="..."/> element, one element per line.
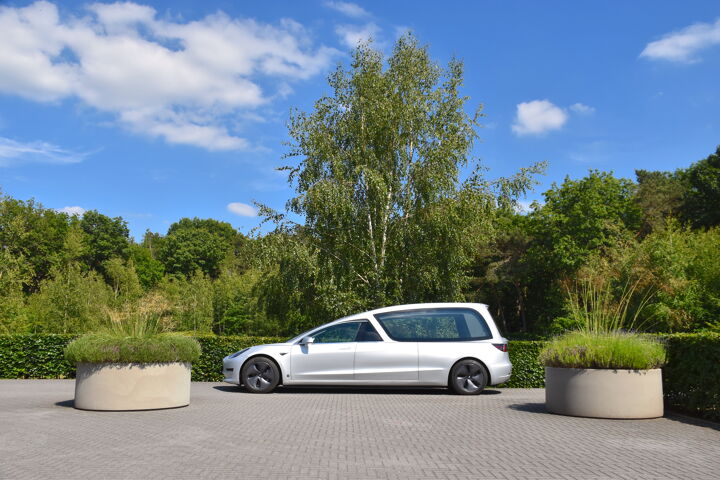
<point x="604" y="393"/>
<point x="132" y="386"/>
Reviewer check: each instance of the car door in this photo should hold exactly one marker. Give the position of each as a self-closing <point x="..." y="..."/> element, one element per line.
<point x="329" y="359"/>
<point x="379" y="361"/>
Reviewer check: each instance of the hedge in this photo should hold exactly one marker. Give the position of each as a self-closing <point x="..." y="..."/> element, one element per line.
<point x="41" y="355"/>
<point x="527" y="371"/>
<point x="691" y="378"/>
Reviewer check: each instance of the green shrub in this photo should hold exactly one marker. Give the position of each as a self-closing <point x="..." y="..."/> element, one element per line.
<point x="691" y="378"/>
<point x="527" y="371"/>
<point x="34" y="356"/>
<point x="108" y="348"/>
<point x="603" y="350"/>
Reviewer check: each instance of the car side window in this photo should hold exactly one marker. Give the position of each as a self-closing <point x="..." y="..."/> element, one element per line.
<point x="340" y="333"/>
<point x="435" y="325"/>
<point x="367" y="333"/>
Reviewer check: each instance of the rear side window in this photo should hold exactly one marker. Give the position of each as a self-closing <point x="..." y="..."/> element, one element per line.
<point x="435" y="325"/>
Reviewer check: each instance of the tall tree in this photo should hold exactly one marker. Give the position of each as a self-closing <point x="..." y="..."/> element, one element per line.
<point x="702" y="197"/>
<point x="34" y="233"/>
<point x="195" y="244"/>
<point x="579" y="219"/>
<point x="387" y="218"/>
<point x="659" y="196"/>
<point x="105" y="238"/>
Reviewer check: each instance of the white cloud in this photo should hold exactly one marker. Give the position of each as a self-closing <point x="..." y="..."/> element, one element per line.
<point x="79" y="211"/>
<point x="180" y="81"/>
<point x="683" y="45"/>
<point x="348" y="8"/>
<point x="13" y="152"/>
<point x="351" y="35"/>
<point x="242" y="209"/>
<point x="582" y="109"/>
<point x="538" y="117"/>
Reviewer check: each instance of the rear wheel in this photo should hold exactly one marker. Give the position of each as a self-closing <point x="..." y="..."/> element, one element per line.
<point x="468" y="377"/>
<point x="260" y="375"/>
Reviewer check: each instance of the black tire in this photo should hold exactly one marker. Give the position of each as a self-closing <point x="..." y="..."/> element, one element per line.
<point x="468" y="377"/>
<point x="260" y="375"/>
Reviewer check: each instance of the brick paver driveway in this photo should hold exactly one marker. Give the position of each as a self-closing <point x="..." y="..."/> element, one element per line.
<point x="226" y="433"/>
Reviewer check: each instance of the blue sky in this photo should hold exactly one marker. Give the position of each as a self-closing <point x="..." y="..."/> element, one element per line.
<point x="155" y="111"/>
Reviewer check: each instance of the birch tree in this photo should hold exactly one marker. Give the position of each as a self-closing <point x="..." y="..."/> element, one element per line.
<point x="378" y="180"/>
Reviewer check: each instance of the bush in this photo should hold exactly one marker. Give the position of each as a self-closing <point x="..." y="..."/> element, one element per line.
<point x="527" y="371"/>
<point x="603" y="350"/>
<point x="108" y="348"/>
<point x="690" y="378"/>
<point x="34" y="356"/>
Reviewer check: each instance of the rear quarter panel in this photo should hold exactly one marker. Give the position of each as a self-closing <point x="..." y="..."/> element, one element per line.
<point x="437" y="358"/>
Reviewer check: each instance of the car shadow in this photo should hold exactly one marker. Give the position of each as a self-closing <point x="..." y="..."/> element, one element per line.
<point x="384" y="390"/>
<point x="66" y="403"/>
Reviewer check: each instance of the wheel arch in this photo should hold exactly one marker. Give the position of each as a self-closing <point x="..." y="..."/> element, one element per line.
<point x="487" y="370"/>
<point x="265" y="355"/>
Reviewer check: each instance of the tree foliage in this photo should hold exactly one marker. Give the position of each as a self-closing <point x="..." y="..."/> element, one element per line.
<point x="196" y="245"/>
<point x="105" y="238"/>
<point x="702" y="196"/>
<point x="387" y="218"/>
<point x="390" y="207"/>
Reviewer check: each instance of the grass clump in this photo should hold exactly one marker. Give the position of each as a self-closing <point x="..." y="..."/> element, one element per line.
<point x="601" y="319"/>
<point x="110" y="348"/>
<point x="605" y="350"/>
<point x="135" y="334"/>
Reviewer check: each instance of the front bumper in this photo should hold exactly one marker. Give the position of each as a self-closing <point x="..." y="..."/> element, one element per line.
<point x="231" y="369"/>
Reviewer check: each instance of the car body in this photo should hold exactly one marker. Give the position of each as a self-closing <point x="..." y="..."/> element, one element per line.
<point x="420" y="345"/>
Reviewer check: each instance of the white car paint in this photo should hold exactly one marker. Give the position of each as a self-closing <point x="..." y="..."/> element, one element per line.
<point x="386" y="362"/>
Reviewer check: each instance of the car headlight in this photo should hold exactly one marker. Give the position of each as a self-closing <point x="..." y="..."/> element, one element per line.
<point x="240" y="352"/>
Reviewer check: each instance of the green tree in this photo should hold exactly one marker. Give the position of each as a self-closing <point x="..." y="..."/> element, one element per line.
<point x="192" y="300"/>
<point x="106" y="238"/>
<point x="234" y="305"/>
<point x="122" y="279"/>
<point x="73" y="299"/>
<point x="34" y="233"/>
<point x="13" y="275"/>
<point x="702" y="198"/>
<point x="500" y="273"/>
<point x="149" y="270"/>
<point x="196" y="244"/>
<point x="659" y="196"/>
<point x="387" y="218"/>
<point x="579" y="219"/>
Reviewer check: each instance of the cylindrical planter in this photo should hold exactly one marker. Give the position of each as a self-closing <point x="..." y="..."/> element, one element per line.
<point x="132" y="386"/>
<point x="604" y="393"/>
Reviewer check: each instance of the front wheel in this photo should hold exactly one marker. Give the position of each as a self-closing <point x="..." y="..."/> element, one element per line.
<point x="468" y="377"/>
<point x="260" y="375"/>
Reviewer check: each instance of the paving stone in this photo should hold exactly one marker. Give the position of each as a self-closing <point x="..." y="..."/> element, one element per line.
<point x="313" y="433"/>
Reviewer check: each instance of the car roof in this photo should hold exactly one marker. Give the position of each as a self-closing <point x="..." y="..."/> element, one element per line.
<point x="413" y="306"/>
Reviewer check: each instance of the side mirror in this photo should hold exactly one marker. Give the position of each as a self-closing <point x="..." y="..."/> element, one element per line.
<point x="307" y="340"/>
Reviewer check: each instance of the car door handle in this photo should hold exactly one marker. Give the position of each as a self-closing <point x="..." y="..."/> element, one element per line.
<point x="344" y="348"/>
